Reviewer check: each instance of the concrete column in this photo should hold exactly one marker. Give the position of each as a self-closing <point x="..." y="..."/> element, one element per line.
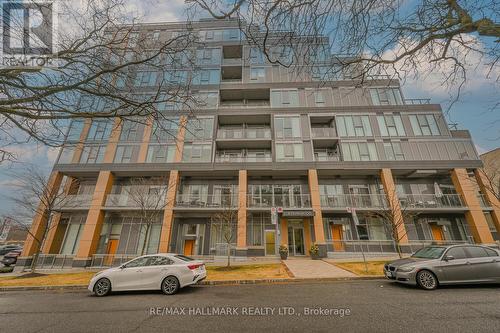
<point x="307" y="235"/>
<point x="39" y="224"/>
<point x="241" y="239"/>
<point x="319" y="232"/>
<point x="283" y="231"/>
<point x="95" y="218"/>
<point x="55" y="234"/>
<point x="83" y="136"/>
<point x="394" y="204"/>
<point x="143" y="151"/>
<point x="491" y="198"/>
<point x="180" y="139"/>
<point x="109" y="154"/>
<point x="168" y="214"/>
<point x="474" y="216"/>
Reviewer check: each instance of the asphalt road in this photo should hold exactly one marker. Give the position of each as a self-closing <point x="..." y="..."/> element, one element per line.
<point x="354" y="306"/>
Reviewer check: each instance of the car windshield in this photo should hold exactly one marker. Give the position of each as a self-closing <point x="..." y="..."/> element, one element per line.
<point x="181" y="257"/>
<point x="431" y="252"/>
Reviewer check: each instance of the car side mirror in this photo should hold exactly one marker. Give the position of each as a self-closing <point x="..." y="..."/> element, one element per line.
<point x="448" y="258"/>
<point x="121" y="266"/>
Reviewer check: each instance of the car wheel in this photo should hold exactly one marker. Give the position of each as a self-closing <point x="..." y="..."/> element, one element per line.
<point x="427" y="280"/>
<point x="170" y="285"/>
<point x="102" y="287"/>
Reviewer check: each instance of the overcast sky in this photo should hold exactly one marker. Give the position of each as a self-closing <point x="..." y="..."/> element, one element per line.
<point x="474" y="111"/>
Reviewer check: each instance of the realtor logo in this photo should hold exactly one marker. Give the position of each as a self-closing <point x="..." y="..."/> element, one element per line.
<point x="28" y="33"/>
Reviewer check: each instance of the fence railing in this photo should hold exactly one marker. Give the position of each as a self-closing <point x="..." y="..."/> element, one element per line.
<point x="278" y="200"/>
<point x="54" y="261"/>
<point x="323" y="132"/>
<point x="431" y="201"/>
<point x="354" y="200"/>
<point x="417" y="101"/>
<point x="110" y="260"/>
<point x="208" y="201"/>
<point x="382" y="246"/>
<point x="76" y="201"/>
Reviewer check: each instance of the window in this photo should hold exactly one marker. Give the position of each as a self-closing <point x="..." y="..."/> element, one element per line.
<point x="289" y="151"/>
<point x="131" y="131"/>
<point x="145" y="79"/>
<point x="287" y="127"/>
<point x="391" y="125"/>
<point x="206" y="99"/>
<point x="124" y="154"/>
<point x="359" y="151"/>
<point x="175" y="77"/>
<point x="457" y="253"/>
<point x="99" y="130"/>
<point x="319" y="99"/>
<point x="160" y="261"/>
<point x="199" y="129"/>
<point x="393" y="151"/>
<point x="353" y="126"/>
<point x="75" y="129"/>
<point x="256" y="56"/>
<point x="133" y="38"/>
<point x="324" y="73"/>
<point x="161" y="154"/>
<point x="206" y="76"/>
<point x="208" y="56"/>
<point x="209" y="35"/>
<point x="72" y="238"/>
<point x="156" y="35"/>
<point x="165" y="130"/>
<point x="491" y="252"/>
<point x="283" y="54"/>
<point x="92" y="154"/>
<point x="424" y="125"/>
<point x="317" y="53"/>
<point x="197" y="153"/>
<point x="232" y="34"/>
<point x="257" y="73"/>
<point x="386" y="96"/>
<point x="66" y="155"/>
<point x="139" y="262"/>
<point x="476" y="252"/>
<point x="284" y="98"/>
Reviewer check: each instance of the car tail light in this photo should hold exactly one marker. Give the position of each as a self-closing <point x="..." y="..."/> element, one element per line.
<point x="194" y="266"/>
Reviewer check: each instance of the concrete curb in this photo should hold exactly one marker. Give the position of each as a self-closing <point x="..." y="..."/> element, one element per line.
<point x="210" y="283"/>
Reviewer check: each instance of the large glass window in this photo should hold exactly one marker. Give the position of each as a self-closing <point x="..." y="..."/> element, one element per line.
<point x="199" y="129"/>
<point x="208" y="56"/>
<point x="131" y="131"/>
<point x="126" y="154"/>
<point x="175" y="77"/>
<point x="72" y="238"/>
<point x="206" y="76"/>
<point x="391" y="125"/>
<point x="99" y="130"/>
<point x="257" y="56"/>
<point x="75" y="129"/>
<point x="257" y="73"/>
<point x="197" y="153"/>
<point x="386" y="96"/>
<point x="424" y="124"/>
<point x="284" y="98"/>
<point x="165" y="130"/>
<point x="161" y="153"/>
<point x="393" y="151"/>
<point x="353" y="126"/>
<point x="359" y="151"/>
<point x="287" y="127"/>
<point x="289" y="151"/>
<point x="145" y="78"/>
<point x="92" y="154"/>
<point x="232" y="34"/>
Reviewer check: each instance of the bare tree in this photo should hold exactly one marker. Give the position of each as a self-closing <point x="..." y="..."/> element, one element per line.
<point x="225" y="224"/>
<point x="490" y="177"/>
<point x="36" y="199"/>
<point x="450" y="38"/>
<point x="149" y="195"/>
<point x="394" y="216"/>
<point x="105" y="65"/>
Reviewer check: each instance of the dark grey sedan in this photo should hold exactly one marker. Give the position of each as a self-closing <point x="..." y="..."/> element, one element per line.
<point x="439" y="265"/>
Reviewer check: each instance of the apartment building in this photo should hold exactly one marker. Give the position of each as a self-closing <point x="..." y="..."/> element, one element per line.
<point x="323" y="152"/>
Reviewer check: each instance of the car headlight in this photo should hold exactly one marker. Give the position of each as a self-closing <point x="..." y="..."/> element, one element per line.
<point x="406" y="268"/>
<point x="97" y="274"/>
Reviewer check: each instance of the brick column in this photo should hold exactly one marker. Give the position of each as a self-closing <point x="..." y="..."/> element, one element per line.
<point x="241" y="239"/>
<point x="394" y="204"/>
<point x="39" y="224"/>
<point x="319" y="232"/>
<point x="491" y="198"/>
<point x="55" y="234"/>
<point x="109" y="154"/>
<point x="95" y="218"/>
<point x="143" y="152"/>
<point x="168" y="214"/>
<point x="474" y="216"/>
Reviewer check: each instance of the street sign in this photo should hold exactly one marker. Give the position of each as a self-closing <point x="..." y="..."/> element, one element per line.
<point x="280" y="210"/>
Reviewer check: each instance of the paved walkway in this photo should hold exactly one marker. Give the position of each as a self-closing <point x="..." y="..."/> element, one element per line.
<point x="308" y="268"/>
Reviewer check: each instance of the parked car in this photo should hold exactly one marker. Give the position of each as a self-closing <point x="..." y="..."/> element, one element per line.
<point x="166" y="272"/>
<point x="11" y="258"/>
<point x="432" y="266"/>
<point x="7" y="248"/>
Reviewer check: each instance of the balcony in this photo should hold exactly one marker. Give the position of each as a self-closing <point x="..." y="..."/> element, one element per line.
<point x="242" y="159"/>
<point x="354" y="201"/>
<point x="279" y="200"/>
<point x="417" y="101"/>
<point x="207" y="201"/>
<point x="323" y="132"/>
<point x="247" y="133"/>
<point x="231" y="62"/>
<point x="245" y="104"/>
<point x="153" y="202"/>
<point x="417" y="201"/>
<point x="76" y="201"/>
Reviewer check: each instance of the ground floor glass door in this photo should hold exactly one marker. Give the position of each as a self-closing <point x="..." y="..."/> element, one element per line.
<point x="296" y="241"/>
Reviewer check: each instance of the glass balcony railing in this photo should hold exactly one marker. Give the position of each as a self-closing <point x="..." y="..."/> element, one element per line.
<point x="279" y="200"/>
<point x="431" y="201"/>
<point x="326" y="158"/>
<point x="324" y="132"/>
<point x="241" y="159"/>
<point x="354" y="200"/>
<point x="136" y="201"/>
<point x="76" y="201"/>
<point x="248" y="133"/>
<point x="207" y="201"/>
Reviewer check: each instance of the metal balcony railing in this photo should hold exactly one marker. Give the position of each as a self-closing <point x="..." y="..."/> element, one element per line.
<point x="207" y="201"/>
<point x="244" y="104"/>
<point x="417" y="101"/>
<point x="431" y="201"/>
<point x="241" y="159"/>
<point x="54" y="261"/>
<point x="76" y="201"/>
<point x="327" y="158"/>
<point x="324" y="132"/>
<point x="248" y="133"/>
<point x="279" y="200"/>
<point x="354" y="200"/>
<point x="155" y="202"/>
<point x="383" y="246"/>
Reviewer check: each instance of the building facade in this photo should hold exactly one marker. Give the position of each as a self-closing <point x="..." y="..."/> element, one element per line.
<point x="326" y="152"/>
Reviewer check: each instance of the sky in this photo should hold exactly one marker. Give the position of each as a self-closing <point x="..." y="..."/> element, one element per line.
<point x="473" y="111"/>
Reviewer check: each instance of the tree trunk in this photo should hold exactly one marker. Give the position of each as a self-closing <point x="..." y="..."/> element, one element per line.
<point x="146" y="238"/>
<point x="228" y="254"/>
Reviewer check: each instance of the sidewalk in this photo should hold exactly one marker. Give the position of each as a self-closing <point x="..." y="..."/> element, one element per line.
<point x="308" y="268"/>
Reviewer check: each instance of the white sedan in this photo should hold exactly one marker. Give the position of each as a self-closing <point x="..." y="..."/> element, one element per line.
<point x="167" y="272"/>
